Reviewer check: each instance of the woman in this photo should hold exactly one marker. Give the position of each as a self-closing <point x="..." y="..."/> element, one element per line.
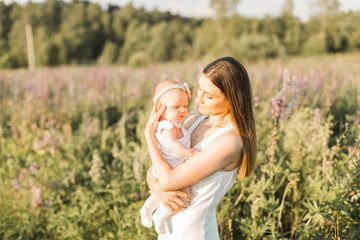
<point x="225" y="135"/>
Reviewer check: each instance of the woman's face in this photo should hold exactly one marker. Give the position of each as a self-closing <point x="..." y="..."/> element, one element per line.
<point x="210" y="98"/>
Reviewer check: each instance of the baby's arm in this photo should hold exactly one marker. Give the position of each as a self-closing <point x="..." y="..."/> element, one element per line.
<point x="174" y="145"/>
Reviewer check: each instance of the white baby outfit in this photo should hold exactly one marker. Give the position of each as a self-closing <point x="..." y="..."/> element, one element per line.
<point x="198" y="221"/>
<point x="153" y="202"/>
<point x="172" y="158"/>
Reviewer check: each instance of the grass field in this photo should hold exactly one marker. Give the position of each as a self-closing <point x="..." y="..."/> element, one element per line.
<point x="73" y="156"/>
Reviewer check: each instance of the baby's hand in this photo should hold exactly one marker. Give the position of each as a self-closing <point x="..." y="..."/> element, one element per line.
<point x="194" y="151"/>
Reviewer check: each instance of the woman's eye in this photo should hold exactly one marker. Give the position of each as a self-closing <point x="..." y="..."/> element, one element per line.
<point x="208" y="97"/>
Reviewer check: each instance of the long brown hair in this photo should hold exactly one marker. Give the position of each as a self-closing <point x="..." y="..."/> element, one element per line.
<point x="232" y="79"/>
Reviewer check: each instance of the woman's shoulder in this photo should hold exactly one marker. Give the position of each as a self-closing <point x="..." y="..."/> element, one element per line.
<point x="231" y="145"/>
<point x="230" y="141"/>
<point x="190" y="120"/>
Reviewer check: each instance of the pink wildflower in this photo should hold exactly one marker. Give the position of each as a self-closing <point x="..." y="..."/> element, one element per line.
<point x="256" y="101"/>
<point x="16" y="184"/>
<point x="317" y="115"/>
<point x="36" y="193"/>
<point x="22" y="174"/>
<point x="33" y="167"/>
<point x="45" y="140"/>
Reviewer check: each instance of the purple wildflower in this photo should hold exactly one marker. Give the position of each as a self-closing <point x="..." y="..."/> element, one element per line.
<point x="294" y="96"/>
<point x="275" y="111"/>
<point x="33" y="167"/>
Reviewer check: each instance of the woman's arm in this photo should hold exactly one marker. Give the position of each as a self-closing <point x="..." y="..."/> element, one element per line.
<point x="223" y="151"/>
<point x="170" y="199"/>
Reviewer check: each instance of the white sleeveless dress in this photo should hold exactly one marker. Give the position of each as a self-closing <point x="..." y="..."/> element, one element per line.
<point x="198" y="221"/>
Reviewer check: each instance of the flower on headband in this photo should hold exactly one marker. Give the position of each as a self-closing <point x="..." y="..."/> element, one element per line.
<point x="183" y="87"/>
<point x="187" y="90"/>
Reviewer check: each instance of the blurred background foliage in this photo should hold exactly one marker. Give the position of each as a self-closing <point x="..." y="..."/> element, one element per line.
<point x="81" y="32"/>
<point x="73" y="157"/>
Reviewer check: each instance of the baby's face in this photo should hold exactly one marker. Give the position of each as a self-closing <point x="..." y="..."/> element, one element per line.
<point x="176" y="102"/>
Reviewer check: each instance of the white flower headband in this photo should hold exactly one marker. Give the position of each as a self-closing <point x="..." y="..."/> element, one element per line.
<point x="183" y="87"/>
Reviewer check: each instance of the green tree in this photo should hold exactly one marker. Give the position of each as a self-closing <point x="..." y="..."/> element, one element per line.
<point x="17" y="38"/>
<point x="325" y="9"/>
<point x="206" y="38"/>
<point x="160" y="42"/>
<point x="109" y="53"/>
<point x="315" y="44"/>
<point x="224" y="8"/>
<point x="97" y="34"/>
<point x="290" y="29"/>
<point x="288" y="8"/>
<point x="137" y="37"/>
<point x="52" y="11"/>
<point x="78" y="38"/>
<point x="5" y="26"/>
<point x="255" y="46"/>
<point x="182" y="40"/>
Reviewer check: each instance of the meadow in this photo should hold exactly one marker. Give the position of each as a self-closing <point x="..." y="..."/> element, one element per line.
<point x="73" y="157"/>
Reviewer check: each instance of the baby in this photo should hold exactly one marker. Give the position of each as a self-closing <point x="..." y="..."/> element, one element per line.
<point x="173" y="141"/>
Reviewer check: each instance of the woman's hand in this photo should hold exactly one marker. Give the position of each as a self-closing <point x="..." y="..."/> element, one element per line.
<point x="153" y="121"/>
<point x="170" y="199"/>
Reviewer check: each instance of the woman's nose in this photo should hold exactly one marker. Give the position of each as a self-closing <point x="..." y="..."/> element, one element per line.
<point x="198" y="98"/>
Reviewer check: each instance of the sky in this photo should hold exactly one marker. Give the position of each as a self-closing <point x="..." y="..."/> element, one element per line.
<point x="200" y="8"/>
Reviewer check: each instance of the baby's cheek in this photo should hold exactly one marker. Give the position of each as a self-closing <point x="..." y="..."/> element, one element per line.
<point x="168" y="113"/>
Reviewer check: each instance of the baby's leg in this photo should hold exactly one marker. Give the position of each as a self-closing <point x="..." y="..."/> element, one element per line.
<point x="150" y="205"/>
<point x="162" y="214"/>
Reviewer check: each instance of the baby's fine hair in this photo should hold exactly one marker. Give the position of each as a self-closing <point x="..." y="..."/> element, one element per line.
<point x="161" y="85"/>
<point x="164" y="84"/>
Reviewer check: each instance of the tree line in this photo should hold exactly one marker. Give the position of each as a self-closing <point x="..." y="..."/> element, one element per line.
<point x="81" y="32"/>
